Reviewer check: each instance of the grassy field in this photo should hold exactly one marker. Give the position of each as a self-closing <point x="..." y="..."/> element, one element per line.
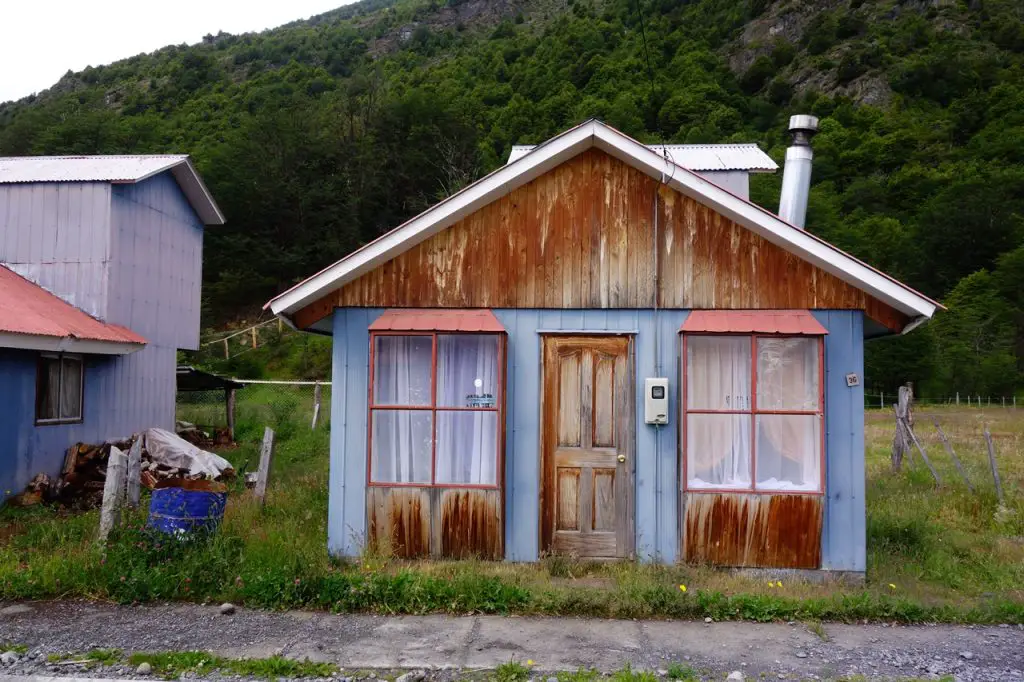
<point x="934" y="553"/>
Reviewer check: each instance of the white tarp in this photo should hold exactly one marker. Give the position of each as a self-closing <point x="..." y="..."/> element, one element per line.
<point x="173" y="451"/>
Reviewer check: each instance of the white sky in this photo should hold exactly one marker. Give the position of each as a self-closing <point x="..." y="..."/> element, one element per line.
<point x="41" y="39"/>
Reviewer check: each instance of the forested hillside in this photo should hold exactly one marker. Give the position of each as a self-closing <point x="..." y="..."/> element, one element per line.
<point x="317" y="136"/>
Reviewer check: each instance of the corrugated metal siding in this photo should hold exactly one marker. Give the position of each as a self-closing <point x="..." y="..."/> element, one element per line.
<point x="736" y="181"/>
<point x="843" y="535"/>
<point x="699" y="157"/>
<point x="122" y="396"/>
<point x="156" y="257"/>
<point x="656" y="473"/>
<point x="58" y="236"/>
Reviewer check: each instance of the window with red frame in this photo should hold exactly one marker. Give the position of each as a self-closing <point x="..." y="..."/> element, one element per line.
<point x="435" y="409"/>
<point x="753" y="413"/>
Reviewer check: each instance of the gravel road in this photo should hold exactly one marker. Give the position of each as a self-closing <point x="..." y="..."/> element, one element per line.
<point x="448" y="647"/>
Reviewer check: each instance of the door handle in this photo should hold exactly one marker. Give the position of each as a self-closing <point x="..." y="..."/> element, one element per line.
<point x="622" y="458"/>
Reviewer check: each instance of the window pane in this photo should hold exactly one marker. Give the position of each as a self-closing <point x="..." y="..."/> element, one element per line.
<point x="401" y="370"/>
<point x="718" y="451"/>
<point x="71" y="389"/>
<point x="400" y="452"/>
<point x="787" y="374"/>
<point x="48" y="388"/>
<point x="467" y="445"/>
<point x="788" y="452"/>
<point x="718" y="372"/>
<point x="467" y="370"/>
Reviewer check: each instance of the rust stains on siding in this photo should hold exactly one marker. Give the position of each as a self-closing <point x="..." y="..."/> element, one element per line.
<point x="736" y="529"/>
<point x="581" y="236"/>
<point x="471" y="524"/>
<point x="399" y="521"/>
<point x="413" y="522"/>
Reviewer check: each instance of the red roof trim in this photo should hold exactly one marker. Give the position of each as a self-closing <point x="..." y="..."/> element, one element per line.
<point x="437" y="320"/>
<point x="790" y="322"/>
<point x="27" y="308"/>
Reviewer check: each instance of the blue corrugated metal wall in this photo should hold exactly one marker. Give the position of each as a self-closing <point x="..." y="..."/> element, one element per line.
<point x="140" y="256"/>
<point x="656" y="474"/>
<point x="58" y="236"/>
<point x="843" y="533"/>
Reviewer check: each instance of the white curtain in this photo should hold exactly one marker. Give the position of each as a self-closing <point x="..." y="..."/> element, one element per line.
<point x="788" y="446"/>
<point x="718" y="374"/>
<point x="401" y="439"/>
<point x="467" y="376"/>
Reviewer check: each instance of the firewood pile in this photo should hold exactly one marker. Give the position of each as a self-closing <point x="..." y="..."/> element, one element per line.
<point x="84" y="475"/>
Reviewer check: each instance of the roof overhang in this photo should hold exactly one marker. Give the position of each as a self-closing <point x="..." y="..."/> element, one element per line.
<point x="192" y="186"/>
<point x="563" y="147"/>
<point x="67" y="344"/>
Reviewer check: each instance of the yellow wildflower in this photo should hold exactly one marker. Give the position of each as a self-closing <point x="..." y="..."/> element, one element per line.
<point x="529" y="661"/>
<point x="891" y="585"/>
<point x="779" y="583"/>
<point x="682" y="588"/>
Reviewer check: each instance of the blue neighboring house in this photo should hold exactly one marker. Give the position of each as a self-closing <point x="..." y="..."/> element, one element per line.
<point x="100" y="278"/>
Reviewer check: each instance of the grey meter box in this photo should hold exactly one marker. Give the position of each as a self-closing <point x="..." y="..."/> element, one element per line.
<point x="656" y="401"/>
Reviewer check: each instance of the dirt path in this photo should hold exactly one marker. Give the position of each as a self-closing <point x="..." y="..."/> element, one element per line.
<point x="443" y="643"/>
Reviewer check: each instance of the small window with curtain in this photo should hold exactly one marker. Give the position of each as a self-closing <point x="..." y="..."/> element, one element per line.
<point x="436" y="408"/>
<point x="59" y="387"/>
<point x="753" y="412"/>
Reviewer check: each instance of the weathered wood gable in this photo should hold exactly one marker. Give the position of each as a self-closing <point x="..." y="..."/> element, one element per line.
<point x="582" y="236"/>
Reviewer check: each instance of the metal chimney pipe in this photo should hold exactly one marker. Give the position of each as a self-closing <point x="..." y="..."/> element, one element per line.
<point x="796" y="174"/>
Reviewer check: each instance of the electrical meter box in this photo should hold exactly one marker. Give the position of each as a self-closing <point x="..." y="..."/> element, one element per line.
<point x="656" y="401"/>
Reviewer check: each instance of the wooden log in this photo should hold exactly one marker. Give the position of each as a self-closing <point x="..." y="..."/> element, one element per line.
<point x="230" y="400"/>
<point x="924" y="455"/>
<point x="995" y="469"/>
<point x="949" y="448"/>
<point x="113" y="492"/>
<point x="134" y="486"/>
<point x="316" y="404"/>
<point x="266" y="453"/>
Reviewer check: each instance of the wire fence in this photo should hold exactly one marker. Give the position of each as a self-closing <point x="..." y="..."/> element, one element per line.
<point x="882" y="400"/>
<point x="285" y="406"/>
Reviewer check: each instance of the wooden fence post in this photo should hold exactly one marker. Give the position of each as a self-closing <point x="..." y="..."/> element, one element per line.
<point x="900" y="442"/>
<point x="949" y="448"/>
<point x="316" y="404"/>
<point x="266" y="452"/>
<point x="134" y="487"/>
<point x="227" y="350"/>
<point x="958" y="398"/>
<point x="230" y="400"/>
<point x="113" y="492"/>
<point x="995" y="469"/>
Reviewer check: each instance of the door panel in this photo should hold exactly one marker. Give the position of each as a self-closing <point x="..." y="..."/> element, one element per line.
<point x="587" y="416"/>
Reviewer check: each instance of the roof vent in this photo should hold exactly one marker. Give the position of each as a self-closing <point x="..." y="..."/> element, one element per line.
<point x="796" y="174"/>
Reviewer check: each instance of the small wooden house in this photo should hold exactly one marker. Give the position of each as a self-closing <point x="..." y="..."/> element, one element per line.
<point x="100" y="276"/>
<point x="600" y="351"/>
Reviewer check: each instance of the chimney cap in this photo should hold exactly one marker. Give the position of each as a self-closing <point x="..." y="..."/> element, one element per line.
<point x="803" y="123"/>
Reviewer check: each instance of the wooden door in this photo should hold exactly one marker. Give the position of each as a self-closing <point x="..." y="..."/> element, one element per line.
<point x="587" y="437"/>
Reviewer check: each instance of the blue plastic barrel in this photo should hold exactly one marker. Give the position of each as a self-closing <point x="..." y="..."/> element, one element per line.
<point x="177" y="511"/>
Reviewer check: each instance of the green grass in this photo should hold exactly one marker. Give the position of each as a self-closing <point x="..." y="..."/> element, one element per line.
<point x="683" y="673"/>
<point x="936" y="555"/>
<point x="513" y="671"/>
<point x="93" y="656"/>
<point x="174" y="663"/>
<point x="20" y="649"/>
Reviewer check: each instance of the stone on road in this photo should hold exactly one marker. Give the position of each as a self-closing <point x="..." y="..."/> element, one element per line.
<point x="428" y="644"/>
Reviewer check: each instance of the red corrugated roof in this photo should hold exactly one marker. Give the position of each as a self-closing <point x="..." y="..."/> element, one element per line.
<point x="27" y="308"/>
<point x="792" y="322"/>
<point x="437" y="320"/>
